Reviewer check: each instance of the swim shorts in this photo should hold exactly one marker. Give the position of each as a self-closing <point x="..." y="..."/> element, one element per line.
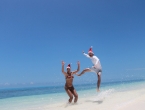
<point x="96" y="70"/>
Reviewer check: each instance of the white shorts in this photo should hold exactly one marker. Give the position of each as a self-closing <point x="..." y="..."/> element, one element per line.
<point x="96" y="70"/>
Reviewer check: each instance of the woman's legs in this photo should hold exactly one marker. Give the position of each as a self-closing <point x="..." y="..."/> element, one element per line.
<point x="69" y="94"/>
<point x="75" y="95"/>
<point x="71" y="91"/>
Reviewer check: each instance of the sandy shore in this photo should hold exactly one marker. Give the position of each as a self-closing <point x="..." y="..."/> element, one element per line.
<point x="107" y="99"/>
<point x="127" y="100"/>
<point x="138" y="104"/>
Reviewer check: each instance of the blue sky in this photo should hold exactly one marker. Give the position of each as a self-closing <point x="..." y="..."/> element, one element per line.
<point x="36" y="35"/>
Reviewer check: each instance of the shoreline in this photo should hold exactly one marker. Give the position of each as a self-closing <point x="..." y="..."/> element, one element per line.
<point x="128" y="100"/>
<point x="115" y="97"/>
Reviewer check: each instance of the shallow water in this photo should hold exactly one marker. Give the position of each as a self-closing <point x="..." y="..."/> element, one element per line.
<point x="38" y="97"/>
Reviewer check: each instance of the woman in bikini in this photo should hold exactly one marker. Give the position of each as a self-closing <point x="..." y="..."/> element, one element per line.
<point x="69" y="88"/>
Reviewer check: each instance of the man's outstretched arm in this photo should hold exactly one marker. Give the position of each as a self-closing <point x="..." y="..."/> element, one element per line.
<point x="86" y="55"/>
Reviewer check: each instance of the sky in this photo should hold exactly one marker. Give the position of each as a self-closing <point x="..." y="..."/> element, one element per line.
<point x="36" y="35"/>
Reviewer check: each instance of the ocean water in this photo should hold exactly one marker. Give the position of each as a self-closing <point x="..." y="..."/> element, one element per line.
<point x="37" y="97"/>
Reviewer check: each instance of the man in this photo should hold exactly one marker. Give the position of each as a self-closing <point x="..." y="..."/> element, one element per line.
<point x="96" y="68"/>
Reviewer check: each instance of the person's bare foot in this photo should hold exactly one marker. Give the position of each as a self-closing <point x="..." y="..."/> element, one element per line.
<point x="98" y="90"/>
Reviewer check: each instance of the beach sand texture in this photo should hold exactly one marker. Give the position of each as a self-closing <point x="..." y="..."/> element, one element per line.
<point x="127" y="100"/>
<point x="129" y="97"/>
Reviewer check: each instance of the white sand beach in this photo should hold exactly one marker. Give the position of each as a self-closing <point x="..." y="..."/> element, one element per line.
<point x="127" y="100"/>
<point x="129" y="96"/>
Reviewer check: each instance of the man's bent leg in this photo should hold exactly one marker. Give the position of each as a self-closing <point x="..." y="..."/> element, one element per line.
<point x="85" y="70"/>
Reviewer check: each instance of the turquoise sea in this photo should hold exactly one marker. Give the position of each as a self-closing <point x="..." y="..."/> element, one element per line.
<point x="36" y="97"/>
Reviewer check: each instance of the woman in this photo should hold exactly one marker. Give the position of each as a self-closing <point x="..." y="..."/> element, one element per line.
<point x="69" y="82"/>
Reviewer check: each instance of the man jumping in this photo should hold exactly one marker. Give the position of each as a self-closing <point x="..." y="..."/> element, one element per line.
<point x="96" y="68"/>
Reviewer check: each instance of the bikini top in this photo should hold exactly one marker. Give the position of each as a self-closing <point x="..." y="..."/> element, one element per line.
<point x="69" y="77"/>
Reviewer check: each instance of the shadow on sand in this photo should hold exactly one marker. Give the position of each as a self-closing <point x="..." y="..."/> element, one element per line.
<point x="95" y="101"/>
